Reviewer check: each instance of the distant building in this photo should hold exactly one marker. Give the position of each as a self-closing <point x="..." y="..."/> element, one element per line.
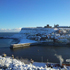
<point x="57" y="26"/>
<point x="47" y="26"/>
<point x="39" y="27"/>
<point x="62" y="27"/>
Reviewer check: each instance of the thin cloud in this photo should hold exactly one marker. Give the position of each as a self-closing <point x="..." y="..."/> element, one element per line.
<point x="10" y="30"/>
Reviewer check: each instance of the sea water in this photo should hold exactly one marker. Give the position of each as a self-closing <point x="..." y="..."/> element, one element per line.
<point x="6" y="42"/>
<point x="37" y="53"/>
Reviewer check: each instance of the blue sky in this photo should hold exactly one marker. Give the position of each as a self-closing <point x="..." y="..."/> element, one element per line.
<point x="32" y="13"/>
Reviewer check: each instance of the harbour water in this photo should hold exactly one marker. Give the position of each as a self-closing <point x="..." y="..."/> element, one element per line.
<point x="37" y="53"/>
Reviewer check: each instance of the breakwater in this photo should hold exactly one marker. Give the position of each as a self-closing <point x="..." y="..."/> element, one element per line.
<point x="23" y="45"/>
<point x="14" y="46"/>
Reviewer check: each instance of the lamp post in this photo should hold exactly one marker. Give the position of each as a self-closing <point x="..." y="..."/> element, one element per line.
<point x="12" y="60"/>
<point x="31" y="62"/>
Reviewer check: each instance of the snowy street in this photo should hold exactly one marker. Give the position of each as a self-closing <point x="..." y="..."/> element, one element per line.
<point x="8" y="63"/>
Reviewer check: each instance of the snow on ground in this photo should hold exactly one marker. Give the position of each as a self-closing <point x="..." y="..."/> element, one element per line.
<point x="31" y="33"/>
<point x="26" y="41"/>
<point x="14" y="64"/>
<point x="24" y="31"/>
<point x="38" y="30"/>
<point x="39" y="64"/>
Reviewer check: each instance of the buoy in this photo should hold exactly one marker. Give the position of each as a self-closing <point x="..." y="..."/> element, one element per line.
<point x="38" y="50"/>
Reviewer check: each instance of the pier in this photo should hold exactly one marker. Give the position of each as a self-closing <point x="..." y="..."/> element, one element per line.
<point x="23" y="45"/>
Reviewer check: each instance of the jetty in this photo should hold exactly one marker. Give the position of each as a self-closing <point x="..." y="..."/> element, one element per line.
<point x="44" y="43"/>
<point x="23" y="45"/>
